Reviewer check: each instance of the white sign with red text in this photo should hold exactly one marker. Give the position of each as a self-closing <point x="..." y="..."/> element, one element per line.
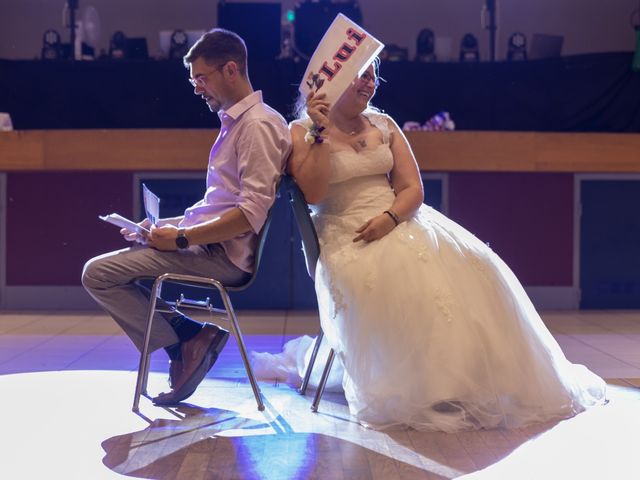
<point x="343" y="54"/>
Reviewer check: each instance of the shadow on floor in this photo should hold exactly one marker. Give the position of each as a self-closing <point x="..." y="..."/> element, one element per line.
<point x="215" y="443"/>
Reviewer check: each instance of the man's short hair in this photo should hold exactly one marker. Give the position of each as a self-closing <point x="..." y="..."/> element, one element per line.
<point x="218" y="46"/>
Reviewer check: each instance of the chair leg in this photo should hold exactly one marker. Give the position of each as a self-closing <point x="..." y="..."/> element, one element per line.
<point x="235" y="327"/>
<point x="323" y="381"/>
<point x="307" y="374"/>
<point x="143" y="368"/>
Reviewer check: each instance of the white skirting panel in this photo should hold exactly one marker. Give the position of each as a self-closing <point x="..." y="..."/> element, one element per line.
<point x="47" y="298"/>
<point x="75" y="298"/>
<point x="554" y="298"/>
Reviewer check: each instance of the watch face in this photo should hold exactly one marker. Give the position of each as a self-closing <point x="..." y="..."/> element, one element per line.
<point x="182" y="242"/>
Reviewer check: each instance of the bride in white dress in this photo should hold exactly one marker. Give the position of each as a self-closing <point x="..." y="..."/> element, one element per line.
<point x="433" y="329"/>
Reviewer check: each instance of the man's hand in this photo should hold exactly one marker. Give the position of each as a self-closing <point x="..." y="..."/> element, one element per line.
<point x="163" y="238"/>
<point x="375" y="228"/>
<point x="131" y="236"/>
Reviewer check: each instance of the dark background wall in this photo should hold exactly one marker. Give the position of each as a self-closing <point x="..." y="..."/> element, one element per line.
<point x="582" y="93"/>
<point x="588" y="25"/>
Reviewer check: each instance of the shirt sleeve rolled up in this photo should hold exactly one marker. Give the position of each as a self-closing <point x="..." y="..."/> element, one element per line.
<point x="262" y="151"/>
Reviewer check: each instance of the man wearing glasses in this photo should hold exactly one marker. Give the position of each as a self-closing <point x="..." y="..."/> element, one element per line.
<point x="217" y="236"/>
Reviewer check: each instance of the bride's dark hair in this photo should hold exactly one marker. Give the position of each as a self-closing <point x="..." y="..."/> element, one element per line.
<point x="300" y="106"/>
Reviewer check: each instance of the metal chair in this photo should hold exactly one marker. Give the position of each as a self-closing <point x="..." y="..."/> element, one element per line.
<point x="311" y="248"/>
<point x="227" y="313"/>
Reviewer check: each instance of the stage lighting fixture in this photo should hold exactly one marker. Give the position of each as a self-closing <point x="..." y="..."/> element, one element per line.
<point x="517" y="47"/>
<point x="287" y="47"/>
<point x="291" y="16"/>
<point x="51" y="45"/>
<point x="286" y="43"/>
<point x="179" y="45"/>
<point x="425" y="46"/>
<point x="469" y="49"/>
<point x="118" y="45"/>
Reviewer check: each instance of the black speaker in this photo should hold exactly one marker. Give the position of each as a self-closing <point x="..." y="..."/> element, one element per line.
<point x="257" y="23"/>
<point x="313" y="20"/>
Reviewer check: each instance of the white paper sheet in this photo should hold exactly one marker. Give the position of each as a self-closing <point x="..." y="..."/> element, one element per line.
<point x="151" y="204"/>
<point x="123" y="222"/>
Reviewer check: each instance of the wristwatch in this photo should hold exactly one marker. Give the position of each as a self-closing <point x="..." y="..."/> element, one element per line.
<point x="181" y="240"/>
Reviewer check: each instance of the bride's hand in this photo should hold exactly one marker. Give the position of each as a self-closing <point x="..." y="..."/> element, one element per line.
<point x="318" y="109"/>
<point x="375" y="228"/>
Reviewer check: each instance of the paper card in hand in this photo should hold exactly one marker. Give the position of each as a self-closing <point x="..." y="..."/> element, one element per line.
<point x="343" y="54"/>
<point x="122" y="222"/>
<point x="151" y="204"/>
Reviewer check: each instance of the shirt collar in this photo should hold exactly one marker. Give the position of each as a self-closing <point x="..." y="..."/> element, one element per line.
<point x="233" y="112"/>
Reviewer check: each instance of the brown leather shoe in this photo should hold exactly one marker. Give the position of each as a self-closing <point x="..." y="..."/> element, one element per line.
<point x="198" y="356"/>
<point x="175" y="371"/>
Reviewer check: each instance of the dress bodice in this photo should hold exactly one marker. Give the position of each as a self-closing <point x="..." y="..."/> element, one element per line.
<point x="359" y="181"/>
<point x="349" y="164"/>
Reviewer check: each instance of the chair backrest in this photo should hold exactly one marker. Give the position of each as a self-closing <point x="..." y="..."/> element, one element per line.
<point x="262" y="238"/>
<point x="302" y="214"/>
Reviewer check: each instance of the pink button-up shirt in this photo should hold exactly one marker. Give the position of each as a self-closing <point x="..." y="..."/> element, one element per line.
<point x="245" y="162"/>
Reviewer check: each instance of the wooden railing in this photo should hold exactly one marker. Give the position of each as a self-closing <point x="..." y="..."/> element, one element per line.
<point x="54" y="150"/>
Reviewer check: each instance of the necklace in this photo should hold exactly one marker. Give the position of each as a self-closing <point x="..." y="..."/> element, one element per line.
<point x="352" y="131"/>
<point x="356" y="144"/>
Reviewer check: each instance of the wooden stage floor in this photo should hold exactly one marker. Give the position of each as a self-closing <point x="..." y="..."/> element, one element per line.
<point x="67" y="380"/>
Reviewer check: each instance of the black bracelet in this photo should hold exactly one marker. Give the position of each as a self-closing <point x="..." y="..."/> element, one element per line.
<point x="393" y="216"/>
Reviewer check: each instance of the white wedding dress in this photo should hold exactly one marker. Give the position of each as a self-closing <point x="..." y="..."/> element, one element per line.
<point x="432" y="328"/>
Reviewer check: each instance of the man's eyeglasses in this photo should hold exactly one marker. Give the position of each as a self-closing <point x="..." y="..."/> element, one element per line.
<point x="201" y="79"/>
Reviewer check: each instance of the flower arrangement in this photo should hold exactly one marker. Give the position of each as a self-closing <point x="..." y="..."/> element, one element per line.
<point x="440" y="122"/>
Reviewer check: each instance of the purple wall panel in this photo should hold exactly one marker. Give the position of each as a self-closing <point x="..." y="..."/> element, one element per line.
<point x="53" y="225"/>
<point x="526" y="217"/>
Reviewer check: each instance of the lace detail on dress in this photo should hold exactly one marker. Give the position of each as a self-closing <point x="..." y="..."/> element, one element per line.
<point x="409" y="239"/>
<point x="444" y="302"/>
<point x="377" y="119"/>
<point x="333" y="259"/>
<point x="381" y="122"/>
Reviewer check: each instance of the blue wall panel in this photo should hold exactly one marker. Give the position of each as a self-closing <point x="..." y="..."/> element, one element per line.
<point x="610" y="244"/>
